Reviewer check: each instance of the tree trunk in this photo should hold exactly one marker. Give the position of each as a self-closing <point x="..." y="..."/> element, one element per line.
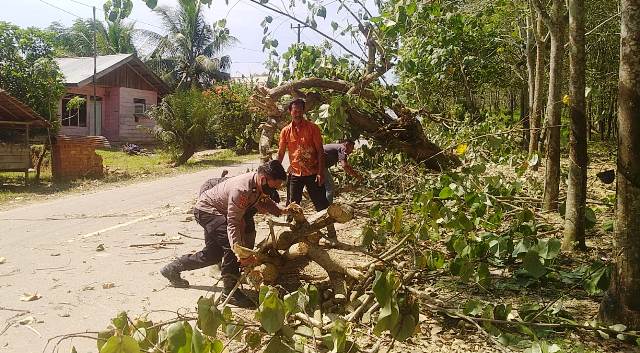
<point x="552" y="167"/>
<point x="39" y="162"/>
<point x="187" y="152"/>
<point x="537" y="109"/>
<point x="621" y="303"/>
<point x="574" y="226"/>
<point x="524" y="116"/>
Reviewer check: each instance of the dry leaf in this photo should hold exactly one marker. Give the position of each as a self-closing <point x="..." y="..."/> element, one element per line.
<point x="108" y="285"/>
<point x="27" y="320"/>
<point x="27" y="297"/>
<point x="100" y="247"/>
<point x="2" y="260"/>
<point x="435" y="329"/>
<point x="55" y="254"/>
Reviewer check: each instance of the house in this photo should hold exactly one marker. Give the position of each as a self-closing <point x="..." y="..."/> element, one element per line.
<point x="125" y="89"/>
<point x="259" y="80"/>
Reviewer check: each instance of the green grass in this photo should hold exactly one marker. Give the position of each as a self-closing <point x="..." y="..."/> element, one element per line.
<point x="119" y="167"/>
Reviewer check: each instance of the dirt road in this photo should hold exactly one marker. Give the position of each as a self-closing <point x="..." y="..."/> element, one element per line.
<point x="52" y="249"/>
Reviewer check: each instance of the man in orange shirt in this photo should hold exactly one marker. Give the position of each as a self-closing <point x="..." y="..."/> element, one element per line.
<point x="303" y="141"/>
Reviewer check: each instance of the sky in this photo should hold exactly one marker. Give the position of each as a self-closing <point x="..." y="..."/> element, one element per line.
<point x="243" y="20"/>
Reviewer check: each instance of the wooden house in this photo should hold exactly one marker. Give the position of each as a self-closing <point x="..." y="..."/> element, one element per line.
<point x="16" y="120"/>
<point x="125" y="89"/>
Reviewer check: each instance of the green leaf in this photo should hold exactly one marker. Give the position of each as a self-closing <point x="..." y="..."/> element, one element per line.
<point x="383" y="286"/>
<point x="276" y="346"/>
<point x="597" y="278"/>
<point x="253" y="339"/>
<point x="445" y="193"/>
<point x="387" y="317"/>
<point x="151" y="3"/>
<point x="291" y="303"/>
<point x="199" y="344"/>
<point x="176" y="337"/>
<point x="484" y="276"/>
<point x="339" y="335"/>
<point x="272" y="312"/>
<point x="618" y="327"/>
<point x="268" y="19"/>
<point x="121" y="322"/>
<point x="532" y="264"/>
<point x="473" y="307"/>
<point x="120" y="344"/>
<point x="73" y="349"/>
<point x="103" y="337"/>
<point x="407" y="320"/>
<point x="322" y="12"/>
<point x="334" y="25"/>
<point x="217" y="346"/>
<point x="209" y="317"/>
<point x="607" y="225"/>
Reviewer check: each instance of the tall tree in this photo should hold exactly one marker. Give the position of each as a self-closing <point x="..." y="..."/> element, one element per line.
<point x="187" y="55"/>
<point x="621" y="304"/>
<point x="537" y="104"/>
<point x="116" y="37"/>
<point x="555" y="22"/>
<point x="574" y="227"/>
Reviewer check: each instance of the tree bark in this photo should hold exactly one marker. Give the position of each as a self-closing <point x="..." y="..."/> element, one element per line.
<point x="538" y="104"/>
<point x="187" y="152"/>
<point x="621" y="303"/>
<point x="574" y="226"/>
<point x="552" y="166"/>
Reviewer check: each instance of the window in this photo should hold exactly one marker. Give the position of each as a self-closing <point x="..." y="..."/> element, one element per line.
<point x="139" y="108"/>
<point x="74" y="116"/>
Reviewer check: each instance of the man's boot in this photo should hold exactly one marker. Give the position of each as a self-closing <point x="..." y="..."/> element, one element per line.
<point x="238" y="298"/>
<point x="172" y="273"/>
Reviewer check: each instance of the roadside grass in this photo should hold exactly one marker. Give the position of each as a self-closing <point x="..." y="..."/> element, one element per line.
<point x="119" y="168"/>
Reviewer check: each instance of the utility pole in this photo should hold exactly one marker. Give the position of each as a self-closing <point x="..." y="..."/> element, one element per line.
<point x="299" y="27"/>
<point x="95" y="59"/>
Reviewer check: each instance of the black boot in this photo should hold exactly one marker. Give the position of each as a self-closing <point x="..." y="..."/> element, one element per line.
<point x="172" y="273"/>
<point x="238" y="298"/>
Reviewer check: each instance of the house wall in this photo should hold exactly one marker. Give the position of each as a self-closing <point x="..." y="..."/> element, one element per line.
<point x="130" y="130"/>
<point x="110" y="108"/>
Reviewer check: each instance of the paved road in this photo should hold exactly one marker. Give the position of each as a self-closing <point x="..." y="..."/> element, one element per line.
<point x="51" y="249"/>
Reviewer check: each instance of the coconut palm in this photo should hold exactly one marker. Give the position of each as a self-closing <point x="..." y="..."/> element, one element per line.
<point x="114" y="37"/>
<point x="187" y="55"/>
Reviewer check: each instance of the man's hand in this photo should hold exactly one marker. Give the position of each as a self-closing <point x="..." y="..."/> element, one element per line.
<point x="248" y="261"/>
<point x="320" y="179"/>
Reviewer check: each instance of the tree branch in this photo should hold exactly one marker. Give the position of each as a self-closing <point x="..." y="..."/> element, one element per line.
<point x="546" y="18"/>
<point x="278" y="11"/>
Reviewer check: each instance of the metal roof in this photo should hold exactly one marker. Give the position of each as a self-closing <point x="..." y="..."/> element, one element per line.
<point x="78" y="71"/>
<point x="13" y="111"/>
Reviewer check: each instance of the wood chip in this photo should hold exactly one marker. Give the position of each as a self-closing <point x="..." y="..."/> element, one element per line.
<point x="28" y="297"/>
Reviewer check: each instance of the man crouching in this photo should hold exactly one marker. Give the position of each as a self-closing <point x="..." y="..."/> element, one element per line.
<point x="221" y="211"/>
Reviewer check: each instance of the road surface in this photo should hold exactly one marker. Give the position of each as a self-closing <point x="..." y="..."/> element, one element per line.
<point x="52" y="250"/>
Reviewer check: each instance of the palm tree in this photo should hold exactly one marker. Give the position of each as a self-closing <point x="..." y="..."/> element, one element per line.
<point x="187" y="55"/>
<point x="116" y="37"/>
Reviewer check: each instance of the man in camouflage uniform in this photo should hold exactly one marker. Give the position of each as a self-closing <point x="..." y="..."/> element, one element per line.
<point x="224" y="210"/>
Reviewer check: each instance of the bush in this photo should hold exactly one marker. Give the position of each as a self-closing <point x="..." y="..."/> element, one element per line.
<point x="232" y="123"/>
<point x="182" y="120"/>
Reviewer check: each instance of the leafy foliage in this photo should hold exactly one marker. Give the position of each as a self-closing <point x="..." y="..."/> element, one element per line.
<point x="27" y="69"/>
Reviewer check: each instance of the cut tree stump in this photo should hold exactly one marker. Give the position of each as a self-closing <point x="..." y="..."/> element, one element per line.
<point x="300" y="239"/>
